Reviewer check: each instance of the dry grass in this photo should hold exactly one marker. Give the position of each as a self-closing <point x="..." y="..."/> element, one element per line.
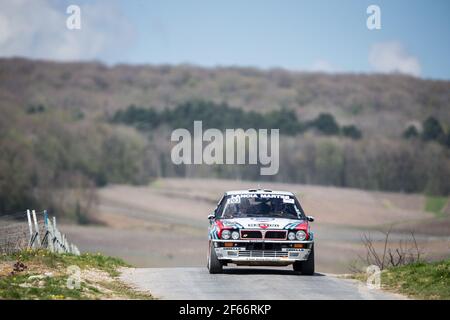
<point x="44" y="275"/>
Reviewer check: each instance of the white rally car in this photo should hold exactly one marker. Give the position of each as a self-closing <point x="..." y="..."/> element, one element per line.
<point x="262" y="228"/>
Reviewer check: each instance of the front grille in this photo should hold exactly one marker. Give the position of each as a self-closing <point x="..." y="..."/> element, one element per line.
<point x="263" y="246"/>
<point x="251" y="234"/>
<point x="256" y="234"/>
<point x="276" y="234"/>
<point x="263" y="254"/>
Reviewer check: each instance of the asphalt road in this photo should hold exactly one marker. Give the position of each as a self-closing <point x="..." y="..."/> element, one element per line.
<point x="247" y="283"/>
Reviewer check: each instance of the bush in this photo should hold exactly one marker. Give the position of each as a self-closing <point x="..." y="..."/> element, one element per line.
<point x="432" y="130"/>
<point x="351" y="132"/>
<point x="411" y="132"/>
<point x="326" y="124"/>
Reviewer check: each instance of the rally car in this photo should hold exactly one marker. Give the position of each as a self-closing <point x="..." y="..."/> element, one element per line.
<point x="260" y="227"/>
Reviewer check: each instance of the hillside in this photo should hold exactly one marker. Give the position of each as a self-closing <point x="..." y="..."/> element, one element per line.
<point x="379" y="104"/>
<point x="68" y="128"/>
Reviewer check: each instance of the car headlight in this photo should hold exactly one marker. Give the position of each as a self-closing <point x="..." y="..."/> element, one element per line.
<point x="226" y="234"/>
<point x="291" y="236"/>
<point x="235" y="235"/>
<point x="300" y="235"/>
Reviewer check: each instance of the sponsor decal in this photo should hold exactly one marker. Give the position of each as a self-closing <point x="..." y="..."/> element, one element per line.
<point x="237" y="197"/>
<point x="232" y="224"/>
<point x="263" y="225"/>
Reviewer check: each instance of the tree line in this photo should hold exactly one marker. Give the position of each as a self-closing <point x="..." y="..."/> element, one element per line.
<point x="375" y="163"/>
<point x="431" y="131"/>
<point x="222" y="116"/>
<point x="53" y="159"/>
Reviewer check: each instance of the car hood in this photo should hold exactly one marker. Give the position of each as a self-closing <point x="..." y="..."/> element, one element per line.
<point x="262" y="223"/>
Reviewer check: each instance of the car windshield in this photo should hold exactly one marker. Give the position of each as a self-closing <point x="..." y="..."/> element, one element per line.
<point x="259" y="205"/>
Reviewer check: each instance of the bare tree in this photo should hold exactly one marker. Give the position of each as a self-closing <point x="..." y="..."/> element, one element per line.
<point x="392" y="254"/>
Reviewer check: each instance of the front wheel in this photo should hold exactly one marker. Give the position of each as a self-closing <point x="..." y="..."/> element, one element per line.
<point x="214" y="264"/>
<point x="306" y="267"/>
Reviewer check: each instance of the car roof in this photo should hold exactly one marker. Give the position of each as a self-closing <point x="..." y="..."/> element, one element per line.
<point x="258" y="191"/>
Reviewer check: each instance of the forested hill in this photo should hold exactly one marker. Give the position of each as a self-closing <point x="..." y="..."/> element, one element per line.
<point x="379" y="104"/>
<point x="67" y="128"/>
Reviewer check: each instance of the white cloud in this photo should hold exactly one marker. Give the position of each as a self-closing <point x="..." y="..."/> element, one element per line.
<point x="322" y="65"/>
<point x="37" y="29"/>
<point x="392" y="57"/>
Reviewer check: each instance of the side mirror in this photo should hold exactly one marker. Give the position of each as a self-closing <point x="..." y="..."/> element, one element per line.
<point x="211" y="216"/>
<point x="310" y="218"/>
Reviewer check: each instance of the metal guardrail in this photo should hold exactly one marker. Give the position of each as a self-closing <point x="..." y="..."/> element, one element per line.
<point x="31" y="229"/>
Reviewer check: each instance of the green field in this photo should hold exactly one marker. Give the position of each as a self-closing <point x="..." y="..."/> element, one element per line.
<point x="436" y="205"/>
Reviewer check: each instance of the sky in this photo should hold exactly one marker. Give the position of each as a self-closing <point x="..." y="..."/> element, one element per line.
<point x="300" y="35"/>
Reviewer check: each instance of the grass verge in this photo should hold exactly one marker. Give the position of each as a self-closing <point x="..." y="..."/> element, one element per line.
<point x="40" y="274"/>
<point x="422" y="280"/>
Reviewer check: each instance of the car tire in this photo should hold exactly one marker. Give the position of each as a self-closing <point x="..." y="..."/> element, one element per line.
<point x="306" y="267"/>
<point x="214" y="264"/>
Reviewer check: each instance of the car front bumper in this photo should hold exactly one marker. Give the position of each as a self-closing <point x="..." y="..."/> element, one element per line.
<point x="241" y="252"/>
